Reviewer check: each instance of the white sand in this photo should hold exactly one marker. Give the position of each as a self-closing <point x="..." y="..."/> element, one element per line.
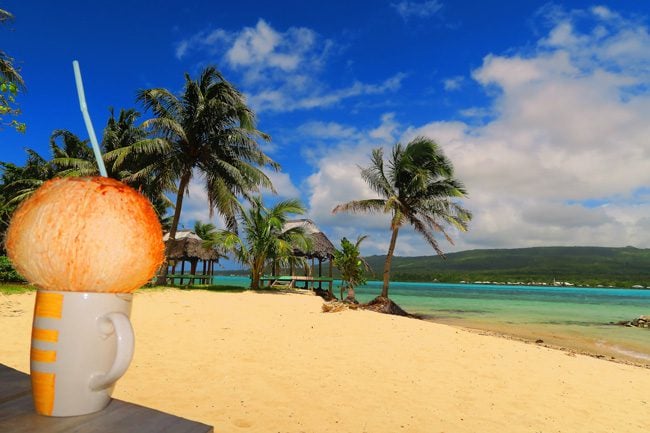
<point x="275" y="363"/>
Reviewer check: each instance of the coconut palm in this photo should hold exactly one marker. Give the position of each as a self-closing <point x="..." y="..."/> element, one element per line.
<point x="73" y="156"/>
<point x="352" y="266"/>
<point x="418" y="187"/>
<point x="263" y="238"/>
<point x="8" y="73"/>
<point x="19" y="182"/>
<point x="208" y="130"/>
<point x="10" y="83"/>
<point x="204" y="231"/>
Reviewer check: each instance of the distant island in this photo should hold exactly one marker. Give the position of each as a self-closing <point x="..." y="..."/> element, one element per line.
<point x="578" y="266"/>
<point x="571" y="266"/>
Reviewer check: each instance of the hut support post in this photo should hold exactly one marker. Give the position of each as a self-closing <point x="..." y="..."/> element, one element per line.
<point x="182" y="272"/>
<point x="330" y="275"/>
<point x="320" y="272"/>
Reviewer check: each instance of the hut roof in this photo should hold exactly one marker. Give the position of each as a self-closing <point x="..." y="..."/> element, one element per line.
<point x="188" y="246"/>
<point x="182" y="234"/>
<point x="322" y="247"/>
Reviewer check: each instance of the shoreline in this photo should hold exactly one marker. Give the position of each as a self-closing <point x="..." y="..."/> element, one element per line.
<point x="576" y="346"/>
<point x="260" y="362"/>
<point x="530" y="334"/>
<point x="630" y="360"/>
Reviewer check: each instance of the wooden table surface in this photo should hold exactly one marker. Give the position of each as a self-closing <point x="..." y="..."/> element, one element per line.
<point x="17" y="414"/>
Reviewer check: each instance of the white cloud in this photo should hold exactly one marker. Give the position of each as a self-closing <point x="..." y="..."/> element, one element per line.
<point x="410" y="9"/>
<point x="453" y="83"/>
<point x="283" y="185"/>
<point x="562" y="160"/>
<point x="262" y="49"/>
<point x="205" y="40"/>
<point x="326" y="130"/>
<point x="283" y="99"/>
<point x="280" y="69"/>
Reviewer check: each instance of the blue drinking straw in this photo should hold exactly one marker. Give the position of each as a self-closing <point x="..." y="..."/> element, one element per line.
<point x="89" y="124"/>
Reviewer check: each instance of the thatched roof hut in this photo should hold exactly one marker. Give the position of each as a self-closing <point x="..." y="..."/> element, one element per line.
<point x="188" y="247"/>
<point x="322" y="248"/>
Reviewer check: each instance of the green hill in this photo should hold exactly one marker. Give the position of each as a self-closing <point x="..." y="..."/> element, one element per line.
<point x="620" y="267"/>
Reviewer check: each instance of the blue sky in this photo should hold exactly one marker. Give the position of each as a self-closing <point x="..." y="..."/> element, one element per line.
<point x="544" y="108"/>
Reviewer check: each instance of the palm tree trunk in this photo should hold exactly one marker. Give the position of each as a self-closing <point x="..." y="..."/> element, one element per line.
<point x="255" y="278"/>
<point x="256" y="272"/>
<point x="182" y="186"/>
<point x="352" y="296"/>
<point x="389" y="259"/>
<point x="255" y="281"/>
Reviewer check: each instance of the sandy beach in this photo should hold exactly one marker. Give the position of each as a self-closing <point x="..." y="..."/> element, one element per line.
<point x="275" y="363"/>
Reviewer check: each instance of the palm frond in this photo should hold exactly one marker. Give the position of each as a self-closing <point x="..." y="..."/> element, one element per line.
<point x="360" y="206"/>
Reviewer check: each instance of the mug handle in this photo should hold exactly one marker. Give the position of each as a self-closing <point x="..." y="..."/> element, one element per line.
<point x="124" y="353"/>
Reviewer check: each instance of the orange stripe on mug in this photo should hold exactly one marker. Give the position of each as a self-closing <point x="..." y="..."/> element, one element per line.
<point x="48" y="305"/>
<point x="39" y="355"/>
<point x="49" y="335"/>
<point x="43" y="391"/>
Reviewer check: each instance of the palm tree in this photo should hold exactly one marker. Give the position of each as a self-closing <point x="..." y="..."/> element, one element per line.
<point x="264" y="239"/>
<point x="18" y="182"/>
<point x="418" y="187"/>
<point x="8" y="73"/>
<point x="10" y="83"/>
<point x="73" y="156"/>
<point x="352" y="266"/>
<point x="209" y="130"/>
<point x="204" y="231"/>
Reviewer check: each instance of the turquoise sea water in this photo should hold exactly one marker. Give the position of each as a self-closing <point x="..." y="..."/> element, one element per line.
<point x="571" y="317"/>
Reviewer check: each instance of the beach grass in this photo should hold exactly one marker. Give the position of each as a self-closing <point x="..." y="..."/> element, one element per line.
<point x="210" y="287"/>
<point x="15" y="288"/>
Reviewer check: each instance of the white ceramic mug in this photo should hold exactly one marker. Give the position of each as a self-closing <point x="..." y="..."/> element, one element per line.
<point x="82" y="343"/>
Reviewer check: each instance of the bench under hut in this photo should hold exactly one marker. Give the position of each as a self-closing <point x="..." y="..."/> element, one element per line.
<point x="322" y="250"/>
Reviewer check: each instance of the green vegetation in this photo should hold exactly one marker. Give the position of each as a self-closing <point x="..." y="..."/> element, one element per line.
<point x="15" y="289"/>
<point x="207" y="130"/>
<point x="72" y="156"/>
<point x="7" y="272"/>
<point x="589" y="266"/>
<point x="210" y="287"/>
<point x="204" y="231"/>
<point x="417" y="188"/>
<point x="10" y="84"/>
<point x="265" y="240"/>
<point x="351" y="266"/>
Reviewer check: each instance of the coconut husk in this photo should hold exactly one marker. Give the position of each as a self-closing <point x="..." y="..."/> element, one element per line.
<point x="386" y="306"/>
<point x="336" y="306"/>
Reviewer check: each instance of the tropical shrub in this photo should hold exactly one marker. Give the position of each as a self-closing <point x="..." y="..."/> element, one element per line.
<point x="7" y="271"/>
